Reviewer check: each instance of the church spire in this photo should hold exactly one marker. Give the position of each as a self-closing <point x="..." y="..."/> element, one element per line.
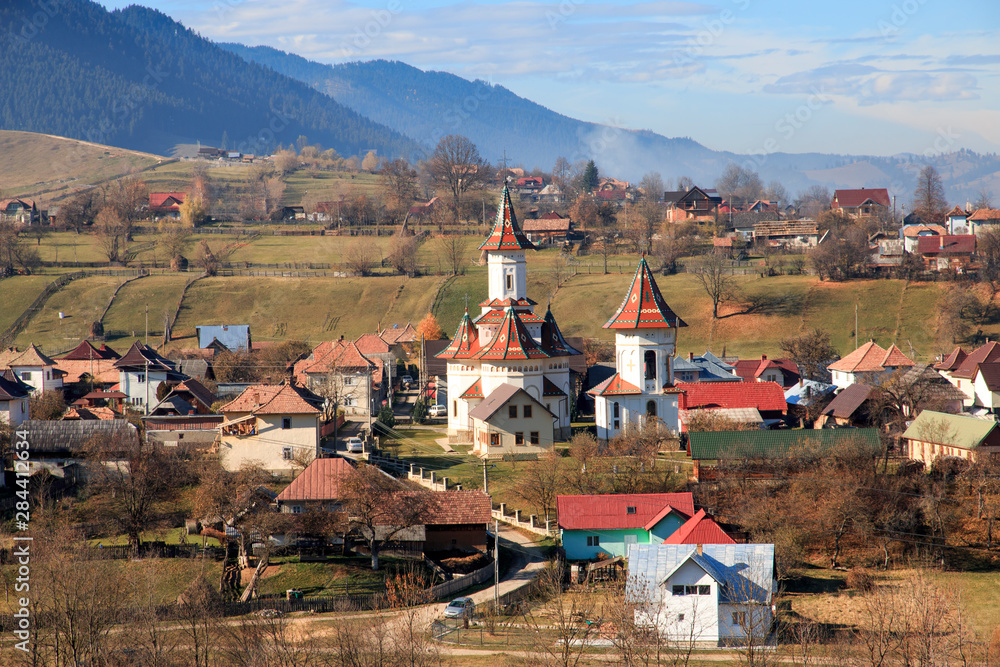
<point x="506" y="233"/>
<point x="644" y="307"/>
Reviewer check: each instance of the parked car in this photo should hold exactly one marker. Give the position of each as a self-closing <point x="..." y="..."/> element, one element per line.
<point x="438" y="410"/>
<point x="355" y="446"/>
<point x="460" y="608"/>
<point x="406" y="381"/>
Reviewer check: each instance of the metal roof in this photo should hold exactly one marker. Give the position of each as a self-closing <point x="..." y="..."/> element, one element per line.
<point x="710" y="445"/>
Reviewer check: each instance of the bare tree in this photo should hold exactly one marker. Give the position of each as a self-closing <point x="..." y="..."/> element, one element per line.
<point x="380" y="508"/>
<point x="452" y="249"/>
<point x="812" y="352"/>
<point x="739" y="184"/>
<point x="362" y="256"/>
<point x="399" y="180"/>
<point x="128" y="199"/>
<point x="457" y="165"/>
<point x="928" y="198"/>
<point x="718" y="283"/>
<point x="984" y="199"/>
<point x="14" y="254"/>
<point x="403" y="252"/>
<point x="134" y="478"/>
<point x="652" y="186"/>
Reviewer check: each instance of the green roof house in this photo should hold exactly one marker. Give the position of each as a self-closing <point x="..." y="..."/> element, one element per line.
<point x="933" y="434"/>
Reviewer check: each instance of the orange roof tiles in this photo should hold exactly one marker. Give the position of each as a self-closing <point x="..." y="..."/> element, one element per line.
<point x="990" y="352"/>
<point x="32" y="358"/>
<point x="319" y="481"/>
<point x="270" y="399"/>
<point x="615" y="386"/>
<point x="449" y="508"/>
<point x="644" y="307"/>
<point x="371" y="344"/>
<point x="869" y="358"/>
<point x="511" y="342"/>
<point x="76" y="370"/>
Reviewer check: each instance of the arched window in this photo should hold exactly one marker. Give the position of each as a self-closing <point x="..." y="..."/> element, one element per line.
<point x="650" y="408"/>
<point x="650" y="363"/>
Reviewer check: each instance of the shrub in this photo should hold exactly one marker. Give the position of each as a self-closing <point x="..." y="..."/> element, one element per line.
<point x="860" y="579"/>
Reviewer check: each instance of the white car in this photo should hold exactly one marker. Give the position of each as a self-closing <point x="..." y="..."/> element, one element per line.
<point x="355" y="446"/>
<point x="460" y="608"/>
<point x="438" y="411"/>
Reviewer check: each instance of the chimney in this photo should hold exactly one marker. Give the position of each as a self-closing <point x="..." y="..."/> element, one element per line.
<point x="763" y="357"/>
<point x="690" y="356"/>
<point x="699" y="550"/>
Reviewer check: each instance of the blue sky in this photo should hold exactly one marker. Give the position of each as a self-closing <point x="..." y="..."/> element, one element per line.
<point x="850" y="76"/>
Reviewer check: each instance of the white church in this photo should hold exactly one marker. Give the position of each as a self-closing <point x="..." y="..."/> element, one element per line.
<point x="507" y="347"/>
<point x="645" y="343"/>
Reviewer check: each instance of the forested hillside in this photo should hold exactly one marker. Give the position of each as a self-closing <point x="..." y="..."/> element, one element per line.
<point x="136" y="78"/>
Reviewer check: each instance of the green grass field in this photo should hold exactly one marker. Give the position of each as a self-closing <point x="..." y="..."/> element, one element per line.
<point x="82" y="301"/>
<point x="128" y="312"/>
<point x="16" y="294"/>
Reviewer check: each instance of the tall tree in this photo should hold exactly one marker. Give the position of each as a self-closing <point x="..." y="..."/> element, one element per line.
<point x="379" y="508"/>
<point x="370" y="162"/>
<point x="652" y="186"/>
<point x="928" y="199"/>
<point x="813" y="200"/>
<point x="738" y="184"/>
<point x="812" y="351"/>
<point x="590" y="178"/>
<point x="984" y="199"/>
<point x="457" y="165"/>
<point x="128" y="199"/>
<point x="714" y="277"/>
<point x="399" y="181"/>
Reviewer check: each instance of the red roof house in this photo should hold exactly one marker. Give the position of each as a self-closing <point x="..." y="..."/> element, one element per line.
<point x="862" y="202"/>
<point x="699" y="529"/>
<point x="166" y="204"/>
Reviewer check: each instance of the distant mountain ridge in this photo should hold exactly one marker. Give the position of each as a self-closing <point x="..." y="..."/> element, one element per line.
<point x="136" y="78"/>
<point x="428" y="105"/>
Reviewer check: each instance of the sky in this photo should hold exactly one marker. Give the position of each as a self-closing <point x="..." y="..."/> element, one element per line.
<point x="876" y="77"/>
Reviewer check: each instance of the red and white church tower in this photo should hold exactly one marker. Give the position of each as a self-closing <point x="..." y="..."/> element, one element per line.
<point x="507" y="343"/>
<point x="645" y="344"/>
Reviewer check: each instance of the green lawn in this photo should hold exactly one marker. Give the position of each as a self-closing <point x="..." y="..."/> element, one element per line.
<point x="82" y="301"/>
<point x="16" y="294"/>
<point x="312" y="309"/>
<point x="159" y="292"/>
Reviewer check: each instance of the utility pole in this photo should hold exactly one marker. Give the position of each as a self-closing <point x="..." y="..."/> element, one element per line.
<point x="496" y="566"/>
<point x="855" y="325"/>
<point x="146" y="340"/>
<point x="486" y="480"/>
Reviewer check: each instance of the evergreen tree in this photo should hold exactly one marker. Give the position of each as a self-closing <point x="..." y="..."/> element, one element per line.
<point x="590" y="178"/>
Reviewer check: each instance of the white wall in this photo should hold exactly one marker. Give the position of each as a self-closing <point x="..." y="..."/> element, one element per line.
<point x="700" y="612"/>
<point x="267" y="446"/>
<point x="40" y="378"/>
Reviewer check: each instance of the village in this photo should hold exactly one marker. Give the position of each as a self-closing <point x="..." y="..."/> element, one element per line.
<point x="629" y="499"/>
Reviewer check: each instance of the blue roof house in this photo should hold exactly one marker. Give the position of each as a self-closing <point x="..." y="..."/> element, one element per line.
<point x="232" y="336"/>
<point x="704" y="593"/>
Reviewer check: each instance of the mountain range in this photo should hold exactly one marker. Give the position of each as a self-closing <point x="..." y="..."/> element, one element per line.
<point x="136" y="78"/>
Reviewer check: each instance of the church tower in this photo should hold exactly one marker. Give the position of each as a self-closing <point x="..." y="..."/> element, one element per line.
<point x="504" y="248"/>
<point x="645" y="343"/>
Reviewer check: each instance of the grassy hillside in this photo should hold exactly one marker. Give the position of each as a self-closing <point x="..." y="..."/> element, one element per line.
<point x="313" y="309"/>
<point x="16" y="294"/>
<point x="48" y="168"/>
<point x="82" y="301"/>
<point x="128" y="312"/>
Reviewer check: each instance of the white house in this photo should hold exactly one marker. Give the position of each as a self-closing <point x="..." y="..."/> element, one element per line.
<point x="35" y="369"/>
<point x="141" y="372"/>
<point x="276" y="426"/>
<point x="704" y="593"/>
<point x="868" y="365"/>
<point x="15" y="406"/>
<point x="645" y="339"/>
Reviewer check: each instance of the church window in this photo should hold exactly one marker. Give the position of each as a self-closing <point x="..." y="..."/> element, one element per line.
<point x="650" y="359"/>
<point x="651" y="408"/>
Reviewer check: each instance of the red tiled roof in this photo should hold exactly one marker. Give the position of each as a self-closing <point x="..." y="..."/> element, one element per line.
<point x="644" y="307"/>
<point x="699" y="529"/>
<point x="913" y="231"/>
<point x="983" y="354"/>
<point x="985" y="214"/>
<point x="957" y="212"/>
<point x="497" y="315"/>
<point x="475" y="391"/>
<point x="504" y="303"/>
<point x="991" y="374"/>
<point x="855" y="198"/>
<point x="765" y="396"/>
<point x="465" y="342"/>
<point x="511" y="341"/>
<point x="546" y="225"/>
<point x="103" y="370"/>
<point x="953" y="244"/>
<point x="272" y="399"/>
<point x="395" y="335"/>
<point x="611" y="512"/>
<point x="371" y="344"/>
<point x="336" y="357"/>
<point x="894" y="358"/>
<point x="450" y="508"/>
<point x="615" y="386"/>
<point x="166" y="200"/>
<point x="751" y="369"/>
<point x="868" y="357"/>
<point x="506" y="234"/>
<point x="952" y="361"/>
<point x="552" y="215"/>
<point x="319" y="481"/>
<point x="85" y="350"/>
